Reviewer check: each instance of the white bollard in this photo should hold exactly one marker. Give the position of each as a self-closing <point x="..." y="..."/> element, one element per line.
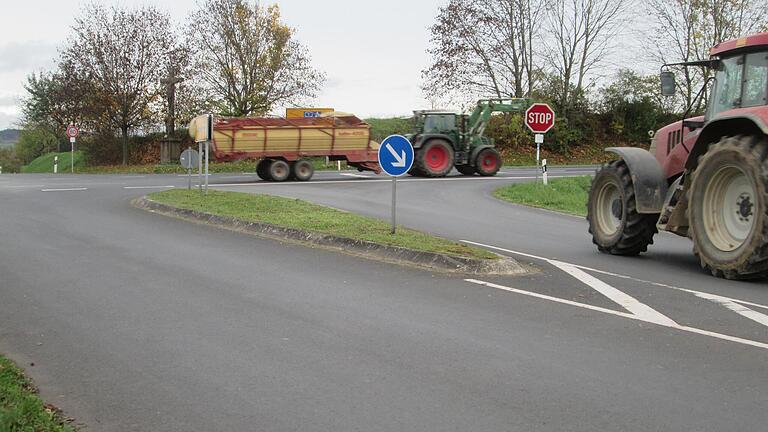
<point x="338" y="165"/>
<point x="544" y="171"/>
<point x="55" y="164"/>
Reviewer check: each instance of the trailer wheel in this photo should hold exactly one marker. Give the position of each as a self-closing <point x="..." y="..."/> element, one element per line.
<point x="616" y="226"/>
<point x="302" y="170"/>
<point x="727" y="211"/>
<point x="467" y="170"/>
<point x="488" y="162"/>
<point x="262" y="169"/>
<point x="435" y="158"/>
<point x="279" y="170"/>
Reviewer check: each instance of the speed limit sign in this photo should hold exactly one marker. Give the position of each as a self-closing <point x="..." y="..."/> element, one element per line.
<point x="72" y="131"/>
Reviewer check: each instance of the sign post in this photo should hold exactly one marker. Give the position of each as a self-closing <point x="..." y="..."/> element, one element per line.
<point x="395" y="159"/>
<point x="203" y="134"/>
<point x="72" y="133"/>
<point x="188" y="159"/>
<point x="539" y="118"/>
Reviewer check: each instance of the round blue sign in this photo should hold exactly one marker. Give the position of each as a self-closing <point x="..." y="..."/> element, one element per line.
<point x="395" y="155"/>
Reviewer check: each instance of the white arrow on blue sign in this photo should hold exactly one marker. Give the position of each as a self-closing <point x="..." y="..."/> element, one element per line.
<point x="395" y="155"/>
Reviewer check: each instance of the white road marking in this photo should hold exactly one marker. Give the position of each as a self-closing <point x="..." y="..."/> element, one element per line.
<point x="63" y="190"/>
<point x="621" y="276"/>
<point x="635" y="307"/>
<point x="355" y="175"/>
<point x="375" y="180"/>
<point x="736" y="307"/>
<point x="675" y="326"/>
<point x="147" y="187"/>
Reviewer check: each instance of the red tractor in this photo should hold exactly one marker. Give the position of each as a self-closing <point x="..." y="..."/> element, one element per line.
<point x="704" y="177"/>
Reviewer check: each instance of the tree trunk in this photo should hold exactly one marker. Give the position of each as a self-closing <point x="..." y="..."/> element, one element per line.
<point x="125" y="144"/>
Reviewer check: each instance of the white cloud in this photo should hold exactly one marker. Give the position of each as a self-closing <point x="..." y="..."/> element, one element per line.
<point x="27" y="56"/>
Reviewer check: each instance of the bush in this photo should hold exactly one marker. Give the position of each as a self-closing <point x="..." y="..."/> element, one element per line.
<point x="8" y="161"/>
<point x="34" y="143"/>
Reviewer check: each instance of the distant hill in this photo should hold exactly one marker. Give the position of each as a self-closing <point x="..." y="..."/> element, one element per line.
<point x="9" y="137"/>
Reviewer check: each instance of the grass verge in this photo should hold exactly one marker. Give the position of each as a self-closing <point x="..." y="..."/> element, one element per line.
<point x="20" y="408"/>
<point x="298" y="214"/>
<point x="568" y="195"/>
<point x="44" y="163"/>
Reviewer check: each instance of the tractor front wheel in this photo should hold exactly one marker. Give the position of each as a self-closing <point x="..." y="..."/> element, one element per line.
<point x="616" y="226"/>
<point x="727" y="210"/>
<point x="435" y="158"/>
<point x="488" y="162"/>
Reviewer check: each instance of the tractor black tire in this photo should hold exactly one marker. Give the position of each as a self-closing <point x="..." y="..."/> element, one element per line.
<point x="302" y="170"/>
<point x="728" y="208"/>
<point x="467" y="170"/>
<point x="616" y="226"/>
<point x="435" y="158"/>
<point x="262" y="169"/>
<point x="279" y="170"/>
<point x="488" y="162"/>
<point x="414" y="171"/>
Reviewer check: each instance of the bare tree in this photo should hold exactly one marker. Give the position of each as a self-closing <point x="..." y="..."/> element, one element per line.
<point x="123" y="53"/>
<point x="247" y="59"/>
<point x="581" y="34"/>
<point x="483" y="49"/>
<point x="685" y="30"/>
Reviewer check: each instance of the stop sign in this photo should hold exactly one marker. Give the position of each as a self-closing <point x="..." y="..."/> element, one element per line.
<point x="539" y="118"/>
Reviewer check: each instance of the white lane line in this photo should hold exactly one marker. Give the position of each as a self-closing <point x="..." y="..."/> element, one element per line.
<point x="355" y="175"/>
<point x="147" y="187"/>
<point x="635" y="307"/>
<point x="63" y="189"/>
<point x="374" y="180"/>
<point x="621" y="276"/>
<point x="675" y="326"/>
<point x="24" y="186"/>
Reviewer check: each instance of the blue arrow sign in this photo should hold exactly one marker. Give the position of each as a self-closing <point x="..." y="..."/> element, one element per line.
<point x="395" y="155"/>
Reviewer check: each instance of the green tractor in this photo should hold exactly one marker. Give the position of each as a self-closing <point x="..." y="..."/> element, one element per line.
<point x="444" y="140"/>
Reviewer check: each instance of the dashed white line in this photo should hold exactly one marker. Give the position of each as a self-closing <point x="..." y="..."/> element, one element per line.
<point x="63" y="190"/>
<point x="355" y="175"/>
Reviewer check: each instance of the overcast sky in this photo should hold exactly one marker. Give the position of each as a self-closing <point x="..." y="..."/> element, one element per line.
<point x="372" y="51"/>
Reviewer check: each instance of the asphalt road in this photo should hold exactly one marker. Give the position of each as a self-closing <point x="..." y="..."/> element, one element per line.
<point x="135" y="321"/>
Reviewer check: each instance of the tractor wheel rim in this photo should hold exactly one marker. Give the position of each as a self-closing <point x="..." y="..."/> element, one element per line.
<point x="437" y="158"/>
<point x="610" y="209"/>
<point x="729" y="208"/>
<point x="489" y="161"/>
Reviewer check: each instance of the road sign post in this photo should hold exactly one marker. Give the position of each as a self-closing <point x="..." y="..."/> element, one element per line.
<point x="188" y="159"/>
<point x="72" y="133"/>
<point x="539" y="118"/>
<point x="395" y="159"/>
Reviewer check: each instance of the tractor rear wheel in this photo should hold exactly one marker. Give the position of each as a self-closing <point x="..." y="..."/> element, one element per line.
<point x="262" y="169"/>
<point x="279" y="170"/>
<point x="467" y="170"/>
<point x="435" y="158"/>
<point x="727" y="212"/>
<point x="616" y="226"/>
<point x="302" y="170"/>
<point x="488" y="162"/>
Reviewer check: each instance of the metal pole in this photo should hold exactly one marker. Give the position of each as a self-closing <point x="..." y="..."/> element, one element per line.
<point x="189" y="177"/>
<point x="207" y="147"/>
<point x="72" y="154"/>
<point x="394" y="200"/>
<point x="200" y="167"/>
<point x="538" y="149"/>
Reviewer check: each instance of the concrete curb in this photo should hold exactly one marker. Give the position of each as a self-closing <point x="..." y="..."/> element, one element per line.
<point x="392" y="254"/>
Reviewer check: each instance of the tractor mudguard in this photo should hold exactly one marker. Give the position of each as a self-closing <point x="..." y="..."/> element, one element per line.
<point x="423" y="138"/>
<point x="647" y="178"/>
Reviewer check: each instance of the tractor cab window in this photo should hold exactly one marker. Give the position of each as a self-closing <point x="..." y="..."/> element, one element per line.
<point x="755" y="80"/>
<point x="727" y="91"/>
<point x="439" y="123"/>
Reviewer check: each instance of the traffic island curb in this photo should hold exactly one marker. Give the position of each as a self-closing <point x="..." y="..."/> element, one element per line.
<point x="392" y="254"/>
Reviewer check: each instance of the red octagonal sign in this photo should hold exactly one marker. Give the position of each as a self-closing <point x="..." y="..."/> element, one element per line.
<point x="539" y="118"/>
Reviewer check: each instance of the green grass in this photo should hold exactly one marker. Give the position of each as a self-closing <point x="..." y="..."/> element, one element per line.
<point x="20" y="408"/>
<point x="294" y="213"/>
<point x="568" y="195"/>
<point x="44" y="163"/>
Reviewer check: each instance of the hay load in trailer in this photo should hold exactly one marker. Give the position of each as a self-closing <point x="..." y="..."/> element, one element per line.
<point x="282" y="145"/>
